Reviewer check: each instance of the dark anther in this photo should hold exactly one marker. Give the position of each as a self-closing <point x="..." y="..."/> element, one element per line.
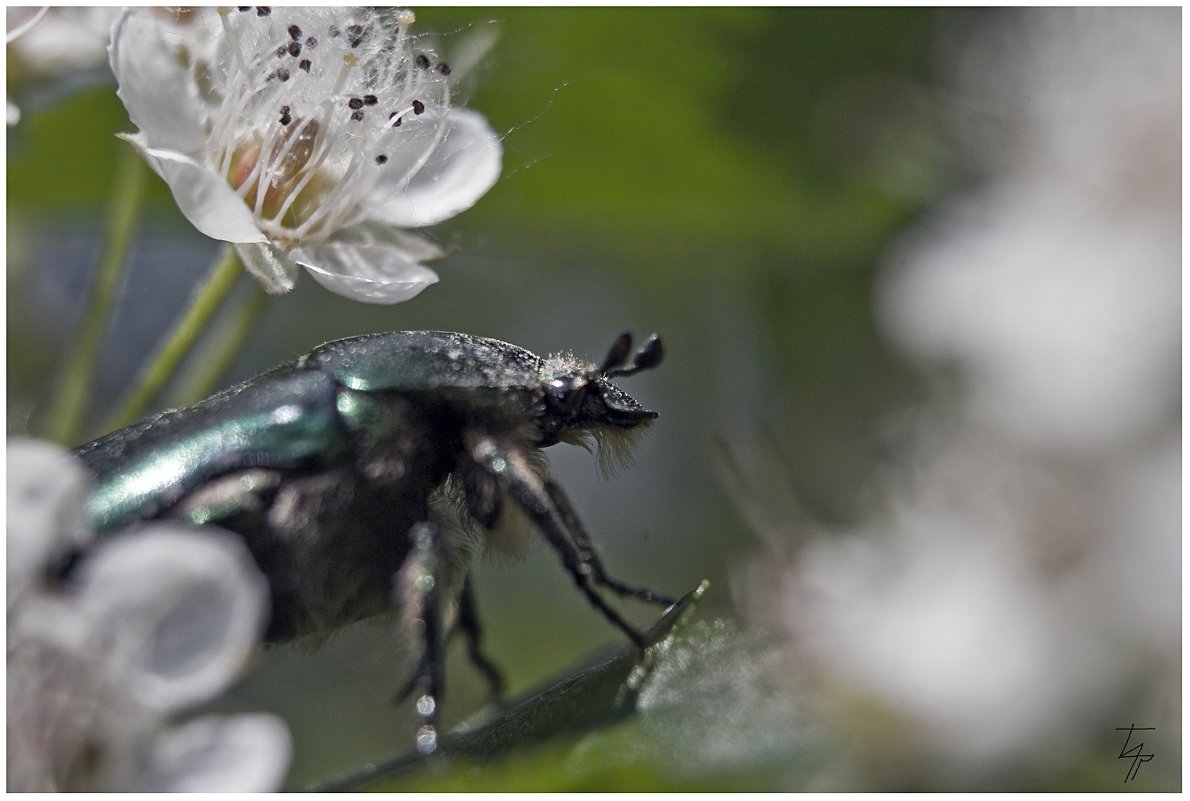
<point x="243" y="8"/>
<point x="370" y="100"/>
<point x="357" y="115"/>
<point x="443" y="68"/>
<point x="295" y="49"/>
<point x="334" y="32"/>
<point x="304" y="64"/>
<point x="381" y="159"/>
<point x="263" y="11"/>
<point x="355" y="102"/>
<point x="422" y="61"/>
<point x="418" y="107"/>
<point x="281" y="51"/>
<point x="356" y="32"/>
<point x="283" y="75"/>
<point x="311" y="43"/>
<point x="396" y="122"/>
<point x="285" y="118"/>
<point x="295" y="33"/>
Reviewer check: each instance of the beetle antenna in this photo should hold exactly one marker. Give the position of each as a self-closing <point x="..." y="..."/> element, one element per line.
<point x="617" y="354"/>
<point x="648" y="357"/>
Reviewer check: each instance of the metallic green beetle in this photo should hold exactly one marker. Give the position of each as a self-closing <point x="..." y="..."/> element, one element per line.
<point x="375" y="462"/>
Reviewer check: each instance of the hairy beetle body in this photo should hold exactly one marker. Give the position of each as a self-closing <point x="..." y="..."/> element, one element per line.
<point x="374" y="462"/>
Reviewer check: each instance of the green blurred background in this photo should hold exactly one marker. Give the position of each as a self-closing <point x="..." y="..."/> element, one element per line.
<point x="728" y="178"/>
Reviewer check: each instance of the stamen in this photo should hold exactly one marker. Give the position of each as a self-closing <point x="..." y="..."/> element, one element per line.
<point x="282" y="143"/>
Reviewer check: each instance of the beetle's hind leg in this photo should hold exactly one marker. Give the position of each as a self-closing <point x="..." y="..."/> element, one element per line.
<point x="418" y="591"/>
<point x="468" y="625"/>
<point x="511" y="469"/>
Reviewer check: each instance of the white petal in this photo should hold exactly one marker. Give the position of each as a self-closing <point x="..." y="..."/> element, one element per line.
<point x="18" y="21"/>
<point x="463" y="167"/>
<point x="416" y="247"/>
<point x="46" y="490"/>
<point x="208" y="202"/>
<point x="275" y="271"/>
<point x="154" y="85"/>
<point x="218" y="754"/>
<point x="373" y="272"/>
<point x="181" y="609"/>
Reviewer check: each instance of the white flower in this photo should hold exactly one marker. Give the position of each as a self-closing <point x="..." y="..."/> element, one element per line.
<point x="147" y="624"/>
<point x="1054" y="290"/>
<point x="309" y="137"/>
<point x="61" y="42"/>
<point x="1019" y="591"/>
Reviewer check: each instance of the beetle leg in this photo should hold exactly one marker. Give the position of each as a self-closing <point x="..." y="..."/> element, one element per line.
<point x="418" y="583"/>
<point x="510" y="467"/>
<point x="587" y="553"/>
<point x="471" y="629"/>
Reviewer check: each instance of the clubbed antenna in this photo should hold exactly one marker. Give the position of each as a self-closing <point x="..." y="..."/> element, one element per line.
<point x="617" y="354"/>
<point x="616" y="364"/>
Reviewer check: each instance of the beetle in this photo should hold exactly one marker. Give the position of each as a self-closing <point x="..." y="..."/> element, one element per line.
<point x="364" y="475"/>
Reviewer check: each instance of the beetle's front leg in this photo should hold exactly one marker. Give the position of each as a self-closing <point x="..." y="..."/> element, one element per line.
<point x="418" y="591"/>
<point x="511" y="469"/>
<point x="587" y="553"/>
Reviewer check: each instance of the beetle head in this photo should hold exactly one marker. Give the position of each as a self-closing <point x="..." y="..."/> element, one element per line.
<point x="584" y="407"/>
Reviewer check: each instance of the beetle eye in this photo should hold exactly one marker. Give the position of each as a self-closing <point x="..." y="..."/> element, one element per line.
<point x="566" y="393"/>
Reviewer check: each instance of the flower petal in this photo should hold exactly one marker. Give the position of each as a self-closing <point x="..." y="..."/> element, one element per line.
<point x="218" y="754"/>
<point x="275" y="271"/>
<point x="461" y="169"/>
<point x="181" y="608"/>
<point x="161" y="97"/>
<point x="208" y="202"/>
<point x="47" y="487"/>
<point x="374" y="272"/>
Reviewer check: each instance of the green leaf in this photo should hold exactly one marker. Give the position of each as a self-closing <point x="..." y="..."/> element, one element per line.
<point x="707" y="708"/>
<point x="599" y="693"/>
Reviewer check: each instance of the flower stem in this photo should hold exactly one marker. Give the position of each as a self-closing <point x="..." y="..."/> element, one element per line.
<point x="207" y="300"/>
<point x="74" y="378"/>
<point x="228" y="343"/>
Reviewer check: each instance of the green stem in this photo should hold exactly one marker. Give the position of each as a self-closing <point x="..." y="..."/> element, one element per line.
<point x="74" y="378"/>
<point x="228" y="343"/>
<point x="207" y="300"/>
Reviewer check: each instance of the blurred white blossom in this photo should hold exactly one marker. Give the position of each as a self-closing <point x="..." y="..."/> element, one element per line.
<point x="311" y="137"/>
<point x="147" y="624"/>
<point x="1017" y="595"/>
<point x="46" y="44"/>
<point x="1053" y="290"/>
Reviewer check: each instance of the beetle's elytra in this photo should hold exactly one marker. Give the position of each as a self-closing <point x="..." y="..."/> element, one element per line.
<point x="360" y="469"/>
